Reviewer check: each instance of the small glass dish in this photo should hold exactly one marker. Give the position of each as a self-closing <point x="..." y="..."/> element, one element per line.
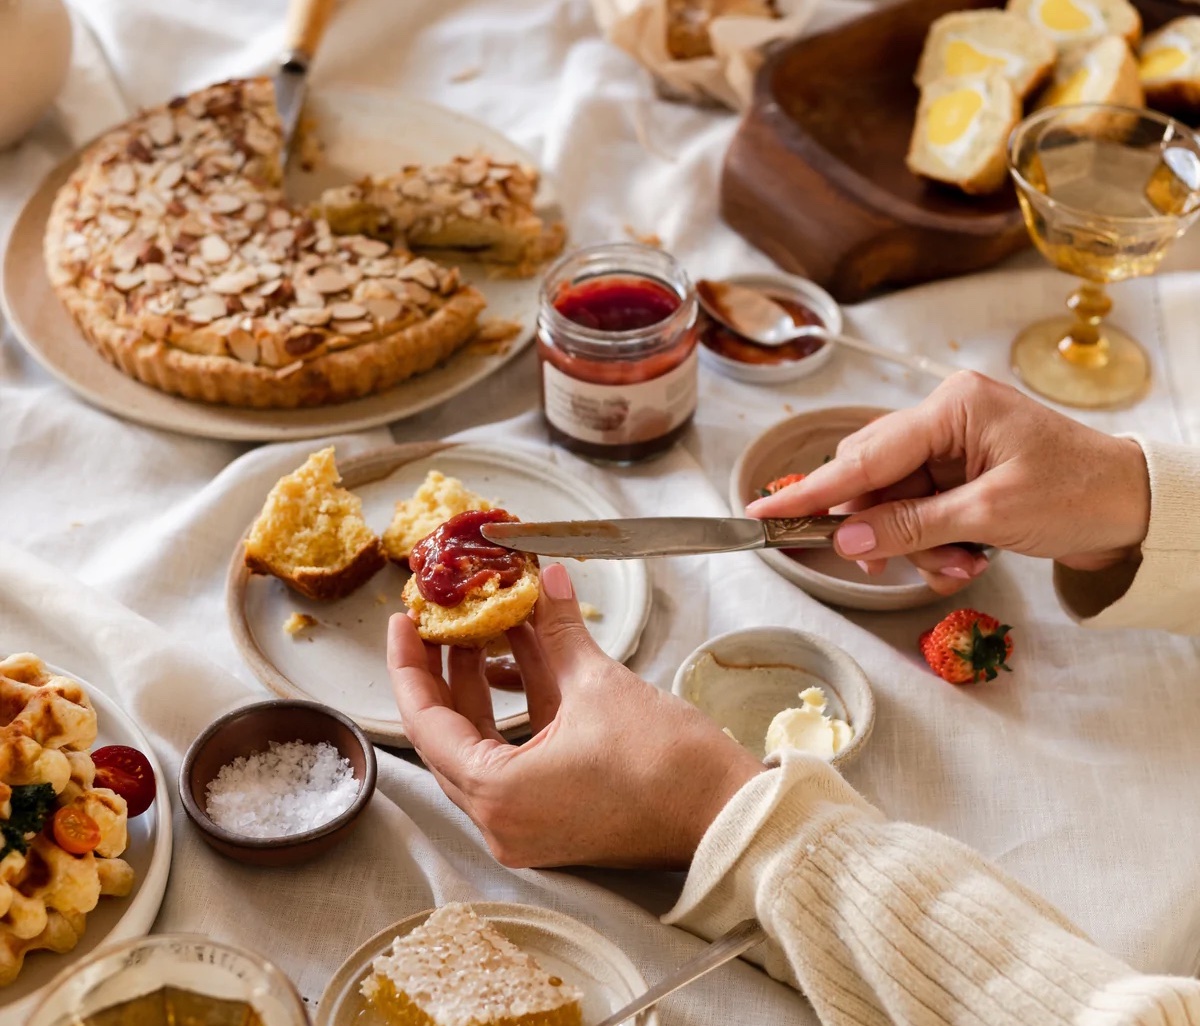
<point x="171" y="978"/>
<point x="786" y="287"/>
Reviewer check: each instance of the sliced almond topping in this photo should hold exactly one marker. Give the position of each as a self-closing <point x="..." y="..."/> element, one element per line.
<point x="282" y="239"/>
<point x="242" y="346"/>
<point x="384" y="310"/>
<point x="323" y="245"/>
<point x="114" y="227"/>
<point x="270" y="287"/>
<point x="125" y="254"/>
<point x="233" y="283"/>
<point x="354" y="327"/>
<point x="418" y="293"/>
<point x="310" y="297"/>
<point x="169" y="176"/>
<point x="123" y="178"/>
<point x="421" y="271"/>
<point x="214" y="249"/>
<point x="161" y="129"/>
<point x="253" y="303"/>
<point x="279" y="218"/>
<point x="225" y="202"/>
<point x="369" y="249"/>
<point x="415" y="188"/>
<point x="311" y="317"/>
<point x="269" y="271"/>
<point x="347" y="311"/>
<point x="260" y="139"/>
<point x="206" y="308"/>
<point x="188" y="274"/>
<point x="254" y="211"/>
<point x="498" y="174"/>
<point x="471" y="208"/>
<point x="157" y="274"/>
<point x="127" y="280"/>
<point x="474" y="172"/>
<point x="328" y="279"/>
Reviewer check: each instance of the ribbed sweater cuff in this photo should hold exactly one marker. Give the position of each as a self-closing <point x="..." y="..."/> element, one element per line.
<point x="774" y="817"/>
<point x="1164" y="590"/>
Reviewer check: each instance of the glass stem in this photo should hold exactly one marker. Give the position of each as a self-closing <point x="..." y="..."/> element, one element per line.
<point x="1084" y="344"/>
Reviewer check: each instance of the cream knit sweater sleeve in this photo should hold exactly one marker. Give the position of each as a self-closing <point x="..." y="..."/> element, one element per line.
<point x="1163" y="591"/>
<point x="880" y="922"/>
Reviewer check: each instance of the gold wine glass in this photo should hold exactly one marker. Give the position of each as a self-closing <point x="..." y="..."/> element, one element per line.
<point x="1104" y="191"/>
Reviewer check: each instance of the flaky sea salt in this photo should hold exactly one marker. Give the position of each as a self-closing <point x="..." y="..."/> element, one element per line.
<point x="288" y="789"/>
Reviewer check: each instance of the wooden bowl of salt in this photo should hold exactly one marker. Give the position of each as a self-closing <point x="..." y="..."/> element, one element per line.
<point x="277" y="783"/>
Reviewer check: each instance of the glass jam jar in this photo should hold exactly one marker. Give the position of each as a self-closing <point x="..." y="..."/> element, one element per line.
<point x="617" y="352"/>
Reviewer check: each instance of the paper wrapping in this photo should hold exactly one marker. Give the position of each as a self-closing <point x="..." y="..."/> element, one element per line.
<point x="639" y="27"/>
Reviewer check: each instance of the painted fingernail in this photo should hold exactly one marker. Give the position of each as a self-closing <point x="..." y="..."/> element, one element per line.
<point x="864" y="566"/>
<point x="756" y="504"/>
<point x="956" y="572"/>
<point x="981" y="564"/>
<point x="855" y="539"/>
<point x="557" y="582"/>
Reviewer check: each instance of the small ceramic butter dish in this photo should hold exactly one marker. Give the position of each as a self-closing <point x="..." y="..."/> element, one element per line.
<point x="727" y="353"/>
<point x="745" y="679"/>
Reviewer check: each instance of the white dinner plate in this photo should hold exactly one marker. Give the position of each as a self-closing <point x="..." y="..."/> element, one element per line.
<point x="364" y="131"/>
<point x="148" y="852"/>
<point x="559" y="944"/>
<point x="341" y="661"/>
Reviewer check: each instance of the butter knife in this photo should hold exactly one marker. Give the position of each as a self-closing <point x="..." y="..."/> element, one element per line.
<point x="662" y="536"/>
<point x="306" y="23"/>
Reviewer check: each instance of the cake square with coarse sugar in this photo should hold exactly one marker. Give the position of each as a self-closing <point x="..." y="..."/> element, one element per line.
<point x="456" y="969"/>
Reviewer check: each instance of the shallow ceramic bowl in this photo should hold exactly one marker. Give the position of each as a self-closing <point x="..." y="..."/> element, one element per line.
<point x="806" y="292"/>
<point x="250" y="729"/>
<point x="747" y="711"/>
<point x="800" y="445"/>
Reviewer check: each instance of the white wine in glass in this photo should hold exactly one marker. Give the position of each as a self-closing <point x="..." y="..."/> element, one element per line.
<point x="1104" y="191"/>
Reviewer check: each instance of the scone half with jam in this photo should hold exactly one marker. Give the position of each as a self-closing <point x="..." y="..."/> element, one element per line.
<point x="311" y="533"/>
<point x="437" y="500"/>
<point x="465" y="590"/>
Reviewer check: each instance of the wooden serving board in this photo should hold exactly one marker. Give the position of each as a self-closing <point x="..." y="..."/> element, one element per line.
<point x="815" y="176"/>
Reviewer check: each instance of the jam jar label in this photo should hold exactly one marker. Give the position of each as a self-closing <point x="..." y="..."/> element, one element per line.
<point x="620" y="414"/>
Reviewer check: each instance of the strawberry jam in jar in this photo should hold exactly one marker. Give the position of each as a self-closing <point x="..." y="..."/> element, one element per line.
<point x="617" y="352"/>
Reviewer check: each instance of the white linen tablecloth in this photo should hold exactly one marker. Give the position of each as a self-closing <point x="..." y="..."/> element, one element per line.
<point x="1078" y="773"/>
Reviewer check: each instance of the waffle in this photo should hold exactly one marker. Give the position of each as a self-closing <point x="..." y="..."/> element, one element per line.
<point x="47" y="725"/>
<point x="175" y="251"/>
<point x="456" y="969"/>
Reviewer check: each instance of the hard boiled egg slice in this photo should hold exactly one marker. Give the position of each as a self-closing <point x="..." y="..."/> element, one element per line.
<point x="1068" y="19"/>
<point x="953" y="121"/>
<point x="970" y="57"/>
<point x="1172" y="55"/>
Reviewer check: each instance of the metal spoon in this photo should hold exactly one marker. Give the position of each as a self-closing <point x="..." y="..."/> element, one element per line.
<point x="756" y="316"/>
<point x="728" y="946"/>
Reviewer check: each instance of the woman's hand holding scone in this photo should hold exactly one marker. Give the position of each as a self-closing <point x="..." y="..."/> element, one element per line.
<point x="617" y="772"/>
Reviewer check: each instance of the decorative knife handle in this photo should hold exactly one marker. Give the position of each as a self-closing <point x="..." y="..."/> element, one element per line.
<point x="306" y="21"/>
<point x="801" y="532"/>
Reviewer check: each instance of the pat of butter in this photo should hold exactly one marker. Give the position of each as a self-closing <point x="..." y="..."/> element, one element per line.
<point x="808" y="729"/>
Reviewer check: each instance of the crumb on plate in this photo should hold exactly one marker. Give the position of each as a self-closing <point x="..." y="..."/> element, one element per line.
<point x="297" y="623"/>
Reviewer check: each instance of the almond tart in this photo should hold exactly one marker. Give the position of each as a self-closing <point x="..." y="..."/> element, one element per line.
<point x="476" y="206"/>
<point x="311" y="533"/>
<point x="175" y="251"/>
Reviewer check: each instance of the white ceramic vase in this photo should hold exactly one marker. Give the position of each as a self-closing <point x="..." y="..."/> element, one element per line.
<point x="35" y="53"/>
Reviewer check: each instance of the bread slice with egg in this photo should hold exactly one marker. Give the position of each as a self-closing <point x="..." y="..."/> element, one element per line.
<point x="1170" y="66"/>
<point x="962" y="130"/>
<point x="311" y="533"/>
<point x="1101" y="72"/>
<point x="978" y="42"/>
<point x="1070" y="22"/>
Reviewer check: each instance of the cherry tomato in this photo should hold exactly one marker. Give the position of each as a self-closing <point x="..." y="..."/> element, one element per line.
<point x="126" y="771"/>
<point x="75" y="831"/>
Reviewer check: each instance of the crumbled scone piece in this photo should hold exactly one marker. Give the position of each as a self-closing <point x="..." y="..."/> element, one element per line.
<point x="297" y="623"/>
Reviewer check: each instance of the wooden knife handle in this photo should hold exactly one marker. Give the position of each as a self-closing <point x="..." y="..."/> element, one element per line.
<point x="306" y="21"/>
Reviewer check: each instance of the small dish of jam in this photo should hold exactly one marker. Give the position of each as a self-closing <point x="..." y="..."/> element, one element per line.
<point x="731" y="354"/>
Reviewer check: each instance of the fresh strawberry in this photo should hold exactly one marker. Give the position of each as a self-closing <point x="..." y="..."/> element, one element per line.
<point x="967" y="646"/>
<point x="779" y="482"/>
<point x="782" y="482"/>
